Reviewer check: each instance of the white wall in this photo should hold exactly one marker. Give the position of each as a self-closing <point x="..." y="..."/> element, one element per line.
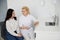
<point x="43" y="10"/>
<point x="3" y="9"/>
<point x="58" y="11"/>
<point x="44" y="35"/>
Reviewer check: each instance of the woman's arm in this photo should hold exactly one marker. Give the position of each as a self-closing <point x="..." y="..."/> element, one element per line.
<point x="36" y="23"/>
<point x="9" y="29"/>
<point x="24" y="27"/>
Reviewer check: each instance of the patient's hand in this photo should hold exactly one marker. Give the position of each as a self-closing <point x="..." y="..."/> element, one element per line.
<point x="19" y="35"/>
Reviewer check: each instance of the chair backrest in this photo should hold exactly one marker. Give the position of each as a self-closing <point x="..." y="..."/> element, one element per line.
<point x="2" y="29"/>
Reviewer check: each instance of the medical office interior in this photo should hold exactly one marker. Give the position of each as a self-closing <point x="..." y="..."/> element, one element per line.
<point x="46" y="11"/>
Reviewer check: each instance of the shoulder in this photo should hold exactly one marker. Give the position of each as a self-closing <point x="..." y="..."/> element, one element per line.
<point x="7" y="22"/>
<point x="31" y="16"/>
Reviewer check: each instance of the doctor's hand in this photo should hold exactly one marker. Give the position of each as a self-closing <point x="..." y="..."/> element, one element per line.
<point x="24" y="27"/>
<point x="36" y="23"/>
<point x="27" y="28"/>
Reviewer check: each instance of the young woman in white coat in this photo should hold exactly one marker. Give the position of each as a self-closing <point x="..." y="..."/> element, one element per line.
<point x="26" y="23"/>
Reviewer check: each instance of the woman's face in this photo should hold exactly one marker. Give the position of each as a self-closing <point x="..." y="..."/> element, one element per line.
<point x="13" y="14"/>
<point x="24" y="12"/>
